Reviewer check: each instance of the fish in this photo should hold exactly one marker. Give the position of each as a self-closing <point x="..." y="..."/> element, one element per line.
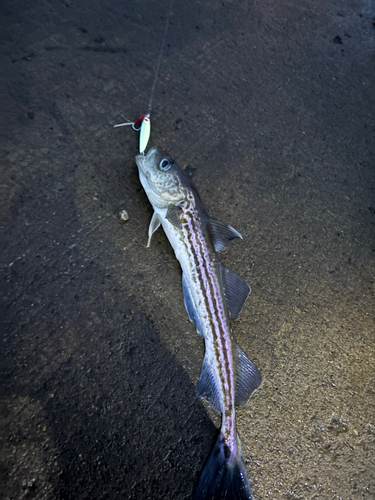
<point x="213" y="296"/>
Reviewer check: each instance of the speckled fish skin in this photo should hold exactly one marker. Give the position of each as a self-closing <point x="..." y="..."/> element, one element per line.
<point x="194" y="237"/>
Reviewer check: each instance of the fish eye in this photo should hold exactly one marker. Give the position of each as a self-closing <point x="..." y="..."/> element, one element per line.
<point x="165" y="164"/>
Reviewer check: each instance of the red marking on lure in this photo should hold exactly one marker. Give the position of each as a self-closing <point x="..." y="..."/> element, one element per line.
<point x="139" y="119"/>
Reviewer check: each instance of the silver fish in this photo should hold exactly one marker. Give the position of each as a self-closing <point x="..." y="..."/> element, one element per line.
<point x="213" y="296"/>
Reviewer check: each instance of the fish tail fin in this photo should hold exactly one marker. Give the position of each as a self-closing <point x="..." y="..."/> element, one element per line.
<point x="223" y="477"/>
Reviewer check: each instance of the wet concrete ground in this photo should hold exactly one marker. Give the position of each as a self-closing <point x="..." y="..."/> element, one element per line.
<point x="272" y="105"/>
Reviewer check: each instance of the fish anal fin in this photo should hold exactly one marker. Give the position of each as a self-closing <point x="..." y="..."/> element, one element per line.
<point x="206" y="387"/>
<point x="189" y="305"/>
<point x="173" y="215"/>
<point x="222" y="234"/>
<point x="248" y="377"/>
<point x="236" y="291"/>
<point x="154" y="224"/>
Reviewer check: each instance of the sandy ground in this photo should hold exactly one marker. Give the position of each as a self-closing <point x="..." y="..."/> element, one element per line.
<point x="272" y="105"/>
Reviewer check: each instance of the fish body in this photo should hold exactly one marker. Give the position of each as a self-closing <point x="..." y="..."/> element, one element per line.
<point x="213" y="296"/>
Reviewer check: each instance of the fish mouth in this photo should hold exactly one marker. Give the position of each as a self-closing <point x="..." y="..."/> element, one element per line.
<point x="140" y="160"/>
<point x="144" y="162"/>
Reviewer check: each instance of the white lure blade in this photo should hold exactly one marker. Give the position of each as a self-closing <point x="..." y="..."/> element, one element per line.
<point x="144" y="135"/>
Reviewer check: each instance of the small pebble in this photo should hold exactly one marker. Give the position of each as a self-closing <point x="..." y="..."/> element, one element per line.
<point x="123" y="215"/>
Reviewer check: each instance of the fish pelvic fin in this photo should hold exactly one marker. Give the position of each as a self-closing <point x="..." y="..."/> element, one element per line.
<point x="154" y="224"/>
<point x="222" y="479"/>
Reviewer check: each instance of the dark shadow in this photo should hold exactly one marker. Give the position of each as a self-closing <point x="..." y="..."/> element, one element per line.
<point x="120" y="414"/>
<point x="126" y="424"/>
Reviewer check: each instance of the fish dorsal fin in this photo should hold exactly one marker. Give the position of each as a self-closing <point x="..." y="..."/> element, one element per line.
<point x="236" y="291"/>
<point x="248" y="377"/>
<point x="206" y="386"/>
<point x="173" y="215"/>
<point x="189" y="305"/>
<point x="154" y="224"/>
<point x="222" y="234"/>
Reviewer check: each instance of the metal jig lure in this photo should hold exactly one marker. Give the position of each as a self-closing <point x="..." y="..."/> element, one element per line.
<point x="144" y="129"/>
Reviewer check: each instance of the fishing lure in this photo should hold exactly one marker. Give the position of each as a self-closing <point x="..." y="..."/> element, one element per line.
<point x="144" y="134"/>
<point x="144" y="129"/>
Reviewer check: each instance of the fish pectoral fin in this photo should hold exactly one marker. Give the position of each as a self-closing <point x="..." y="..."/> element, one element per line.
<point x="173" y="215"/>
<point x="222" y="234"/>
<point x="206" y="386"/>
<point x="154" y="224"/>
<point x="189" y="305"/>
<point x="236" y="291"/>
<point x="248" y="377"/>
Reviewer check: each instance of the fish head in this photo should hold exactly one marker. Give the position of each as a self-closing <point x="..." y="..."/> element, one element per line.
<point x="162" y="179"/>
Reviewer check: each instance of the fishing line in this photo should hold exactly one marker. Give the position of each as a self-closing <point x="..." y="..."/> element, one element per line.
<point x="145" y="127"/>
<point x="160" y="57"/>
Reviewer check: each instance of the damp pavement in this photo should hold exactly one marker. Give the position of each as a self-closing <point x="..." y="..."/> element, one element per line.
<point x="271" y="106"/>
